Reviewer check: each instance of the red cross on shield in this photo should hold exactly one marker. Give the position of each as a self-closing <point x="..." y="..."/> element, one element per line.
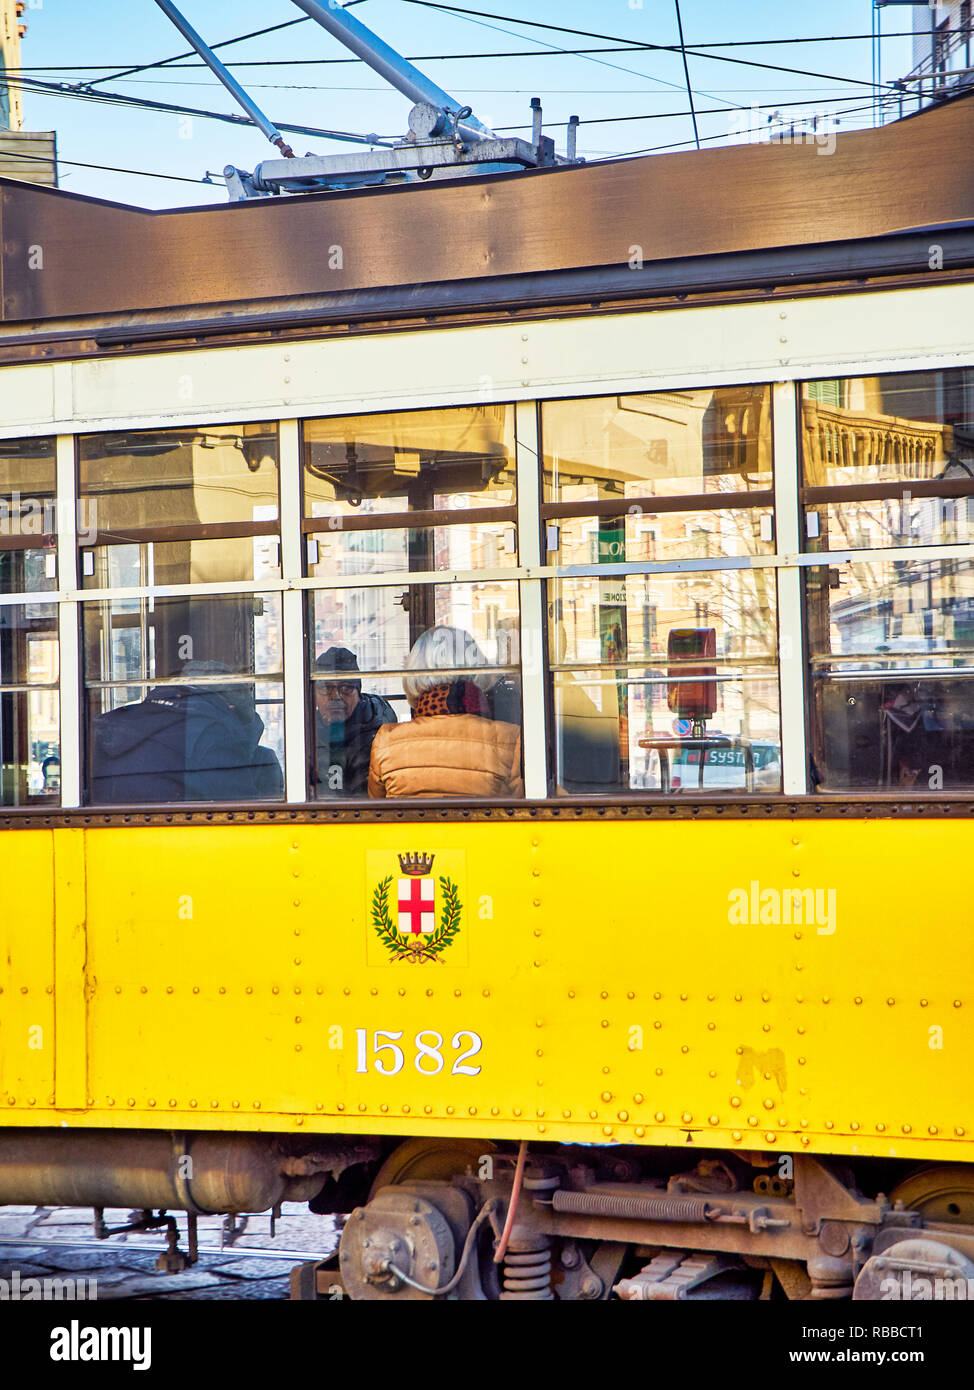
<point x="417" y="901"/>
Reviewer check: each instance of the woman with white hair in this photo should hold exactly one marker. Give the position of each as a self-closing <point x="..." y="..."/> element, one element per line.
<point x="451" y="746"/>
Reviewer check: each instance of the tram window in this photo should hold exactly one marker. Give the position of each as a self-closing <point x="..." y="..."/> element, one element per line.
<point x="28" y="516"/>
<point x="184" y="699"/>
<point x="668" y="444"/>
<point x="416" y="490"/>
<point x="363" y="677"/>
<point x="687" y="702"/>
<point x="892" y="675"/>
<point x="30" y="762"/>
<point x="187" y="506"/>
<point x="665" y="682"/>
<point x="889" y="460"/>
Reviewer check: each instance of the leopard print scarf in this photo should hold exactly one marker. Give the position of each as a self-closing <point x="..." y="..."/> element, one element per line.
<point x="459" y="697"/>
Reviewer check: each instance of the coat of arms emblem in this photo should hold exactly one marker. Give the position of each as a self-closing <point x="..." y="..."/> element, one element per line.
<point x="415" y="915"/>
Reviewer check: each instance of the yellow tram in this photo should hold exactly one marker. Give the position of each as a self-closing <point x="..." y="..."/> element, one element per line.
<point x="686" y="446"/>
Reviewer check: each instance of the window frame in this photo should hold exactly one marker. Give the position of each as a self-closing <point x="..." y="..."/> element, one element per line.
<point x="789" y="559"/>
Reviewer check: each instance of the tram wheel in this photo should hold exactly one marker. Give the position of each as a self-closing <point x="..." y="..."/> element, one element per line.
<point x="430" y="1160"/>
<point x="940" y="1192"/>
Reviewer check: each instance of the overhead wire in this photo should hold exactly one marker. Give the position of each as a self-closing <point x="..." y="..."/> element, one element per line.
<point x="55" y="89"/>
<point x="110" y="168"/>
<point x="686" y="71"/>
<point x="701" y="111"/>
<point x="225" y="43"/>
<point x="708" y="139"/>
<point x="621" y="46"/>
<point x="649" y="47"/>
<point x="87" y="90"/>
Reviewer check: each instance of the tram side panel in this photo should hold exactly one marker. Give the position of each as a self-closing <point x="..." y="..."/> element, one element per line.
<point x="766" y="984"/>
<point x="28" y="943"/>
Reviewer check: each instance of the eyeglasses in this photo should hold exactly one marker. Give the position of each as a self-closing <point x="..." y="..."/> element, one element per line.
<point x="344" y="691"/>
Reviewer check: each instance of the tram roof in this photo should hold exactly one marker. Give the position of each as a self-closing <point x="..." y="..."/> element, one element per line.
<point x="482" y="241"/>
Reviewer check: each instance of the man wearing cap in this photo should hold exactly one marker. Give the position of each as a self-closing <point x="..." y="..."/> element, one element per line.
<point x="346" y="722"/>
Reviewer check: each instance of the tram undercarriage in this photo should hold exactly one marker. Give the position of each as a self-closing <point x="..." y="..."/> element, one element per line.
<point x="578" y="1225"/>
<point x="474" y="1221"/>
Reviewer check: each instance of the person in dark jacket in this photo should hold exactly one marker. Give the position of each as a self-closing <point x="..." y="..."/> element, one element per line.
<point x="346" y="722"/>
<point x="184" y="743"/>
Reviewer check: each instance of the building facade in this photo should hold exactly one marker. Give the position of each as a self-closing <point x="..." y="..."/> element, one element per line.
<point x="24" y="154"/>
<point x="942" y="53"/>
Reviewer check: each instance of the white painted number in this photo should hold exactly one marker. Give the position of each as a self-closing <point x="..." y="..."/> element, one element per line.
<point x="397" y="1052"/>
<point x="432" y="1052"/>
<point x="476" y="1043"/>
<point x="428" y="1058"/>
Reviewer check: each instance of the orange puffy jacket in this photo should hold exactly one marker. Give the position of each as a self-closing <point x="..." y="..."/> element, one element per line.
<point x="447" y="755"/>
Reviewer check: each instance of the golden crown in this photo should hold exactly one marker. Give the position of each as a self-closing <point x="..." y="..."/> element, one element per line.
<point x="416" y="865"/>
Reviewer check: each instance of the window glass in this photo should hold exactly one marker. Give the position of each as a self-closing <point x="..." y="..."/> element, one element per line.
<point x="184" y="699"/>
<point x="891" y="647"/>
<point x="30" y="767"/>
<point x="179" y="506"/>
<point x="362" y="473"/>
<point x="664" y="444"/>
<point x="441" y="665"/>
<point x="661" y="537"/>
<point x="666" y="683"/>
<point x="889" y="460"/>
<point x="28" y="516"/>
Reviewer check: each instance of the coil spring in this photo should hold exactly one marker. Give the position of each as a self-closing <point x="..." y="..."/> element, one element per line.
<point x="527" y="1274"/>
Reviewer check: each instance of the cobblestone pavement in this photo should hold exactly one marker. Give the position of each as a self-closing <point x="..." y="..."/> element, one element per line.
<point x="122" y="1270"/>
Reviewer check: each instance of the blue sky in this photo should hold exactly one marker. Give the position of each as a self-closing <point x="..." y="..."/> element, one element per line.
<point x="65" y="34"/>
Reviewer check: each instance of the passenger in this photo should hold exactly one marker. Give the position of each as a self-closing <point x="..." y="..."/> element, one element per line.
<point x="451" y="746"/>
<point x="346" y="722"/>
<point x="184" y="743"/>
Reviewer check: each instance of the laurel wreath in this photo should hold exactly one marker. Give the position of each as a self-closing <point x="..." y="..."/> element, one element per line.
<point x="416" y="949"/>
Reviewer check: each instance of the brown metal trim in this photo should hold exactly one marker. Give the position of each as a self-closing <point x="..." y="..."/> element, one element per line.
<point x="77" y="345"/>
<point x="200" y="531"/>
<point x="412" y="521"/>
<point x="45" y="540"/>
<point x="739" y="198"/>
<point x="692" y="502"/>
<point x="867" y="492"/>
<point x="881" y="806"/>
